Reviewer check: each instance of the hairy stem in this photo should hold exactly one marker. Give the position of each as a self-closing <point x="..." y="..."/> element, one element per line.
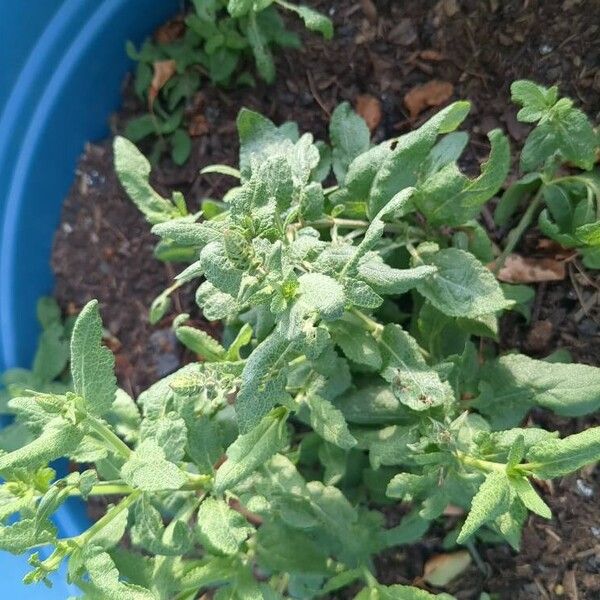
<point x="515" y="235"/>
<point x="112" y="513"/>
<point x="478" y="463"/>
<point x="112" y="440"/>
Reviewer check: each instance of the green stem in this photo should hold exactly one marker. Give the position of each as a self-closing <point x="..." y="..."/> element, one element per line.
<point x="113" y="441"/>
<point x="373" y="326"/>
<point x="354" y="224"/>
<point x="478" y="463"/>
<point x="108" y="488"/>
<point x="515" y="235"/>
<point x="101" y="523"/>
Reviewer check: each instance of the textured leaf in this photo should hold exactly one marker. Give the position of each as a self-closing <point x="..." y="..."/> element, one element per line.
<point x="462" y="286"/>
<point x="356" y="343"/>
<point x="450" y="198"/>
<point x="221" y="529"/>
<point x="413" y="382"/>
<point x="147" y="469"/>
<point x="199" y="342"/>
<point x="388" y="280"/>
<point x="313" y="20"/>
<point x="133" y="170"/>
<point x="403" y="165"/>
<point x="92" y="364"/>
<point x="567" y="389"/>
<point x="323" y="294"/>
<point x="149" y="532"/>
<point x="329" y="422"/>
<point x="553" y="458"/>
<point x="104" y="582"/>
<point x="562" y="129"/>
<point x="58" y="439"/>
<point x="491" y="500"/>
<point x="350" y="137"/>
<point x="258" y="394"/>
<point x="251" y="450"/>
<point x="529" y="497"/>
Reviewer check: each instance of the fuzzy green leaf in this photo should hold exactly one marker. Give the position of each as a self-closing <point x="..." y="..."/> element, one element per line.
<point x="92" y="364"/>
<point x="554" y="458"/>
<point x="462" y="286"/>
<point x="350" y="137"/>
<point x="329" y="422"/>
<point x="529" y="497"/>
<point x="221" y="529"/>
<point x="133" y="170"/>
<point x="147" y="469"/>
<point x="491" y="500"/>
<point x="251" y="450"/>
<point x="199" y="342"/>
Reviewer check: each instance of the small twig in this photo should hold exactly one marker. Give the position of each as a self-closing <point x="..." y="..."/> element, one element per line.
<point x="315" y="93"/>
<point x="251" y="517"/>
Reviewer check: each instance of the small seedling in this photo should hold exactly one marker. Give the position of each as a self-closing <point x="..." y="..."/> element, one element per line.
<point x="218" y="38"/>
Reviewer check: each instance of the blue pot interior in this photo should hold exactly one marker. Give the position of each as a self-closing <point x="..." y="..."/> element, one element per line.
<point x="61" y="71"/>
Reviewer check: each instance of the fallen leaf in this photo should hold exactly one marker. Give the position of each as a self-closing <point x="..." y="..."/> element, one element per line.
<point x="433" y="55"/>
<point x="163" y="71"/>
<point x="432" y="93"/>
<point x="370" y="10"/>
<point x="519" y="269"/>
<point x="369" y="108"/>
<point x="441" y="569"/>
<point x="404" y="33"/>
<point x="539" y="336"/>
<point x="170" y="31"/>
<point x="198" y="126"/>
<point x="450" y="7"/>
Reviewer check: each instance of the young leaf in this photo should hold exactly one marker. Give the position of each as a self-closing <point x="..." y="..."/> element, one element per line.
<point x="199" y="342"/>
<point x="554" y="458"/>
<point x="147" y="469"/>
<point x="462" y="286"/>
<point x="58" y="439"/>
<point x="313" y="20"/>
<point x="92" y="364"/>
<point x="220" y="528"/>
<point x="491" y="500"/>
<point x="329" y="422"/>
<point x="350" y="137"/>
<point x="529" y="497"/>
<point x="133" y="170"/>
<point x="251" y="450"/>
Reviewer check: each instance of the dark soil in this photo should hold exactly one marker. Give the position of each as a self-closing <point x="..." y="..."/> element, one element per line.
<point x="103" y="248"/>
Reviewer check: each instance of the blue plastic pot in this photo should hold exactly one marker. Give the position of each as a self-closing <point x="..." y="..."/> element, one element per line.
<point x="62" y="63"/>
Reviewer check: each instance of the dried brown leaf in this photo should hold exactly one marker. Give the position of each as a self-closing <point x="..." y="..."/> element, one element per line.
<point x="441" y="569"/>
<point x="521" y="269"/>
<point x="198" y="126"/>
<point x="432" y="93"/>
<point x="432" y="55"/>
<point x="163" y="71"/>
<point x="369" y="108"/>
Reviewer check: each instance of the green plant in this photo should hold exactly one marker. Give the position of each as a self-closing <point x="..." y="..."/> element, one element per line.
<point x="49" y="372"/>
<point x="356" y="368"/>
<point x="559" y="166"/>
<point x="218" y="38"/>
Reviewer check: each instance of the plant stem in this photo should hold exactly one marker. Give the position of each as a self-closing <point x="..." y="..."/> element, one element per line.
<point x="478" y="463"/>
<point x="354" y="224"/>
<point x="108" y="488"/>
<point x="515" y="235"/>
<point x="101" y="523"/>
<point x="373" y="326"/>
<point x="113" y="441"/>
